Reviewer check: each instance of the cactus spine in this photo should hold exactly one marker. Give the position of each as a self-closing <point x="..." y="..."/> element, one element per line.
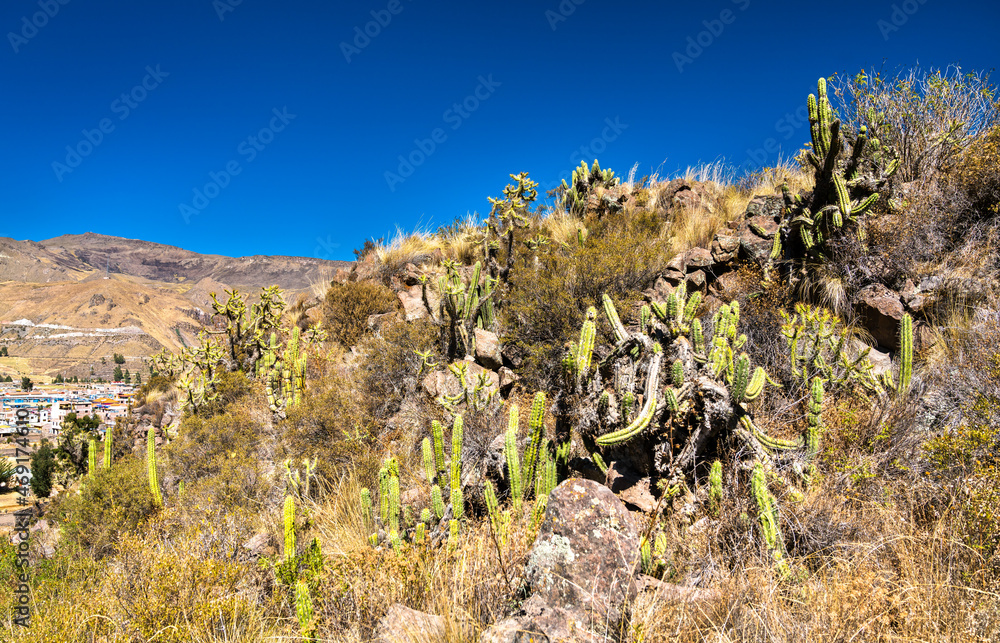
<point x="438" y="432"/>
<point x="154" y="481"/>
<point x="437" y="502"/>
<point x="430" y="470"/>
<point x="457" y="502"/>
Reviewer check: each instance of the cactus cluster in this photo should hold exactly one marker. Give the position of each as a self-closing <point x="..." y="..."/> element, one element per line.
<point x="464" y="307"/>
<point x="584" y="181"/>
<point x="283" y="371"/>
<point x="476" y="394"/>
<point x="850" y="172"/>
<point x="902" y="387"/>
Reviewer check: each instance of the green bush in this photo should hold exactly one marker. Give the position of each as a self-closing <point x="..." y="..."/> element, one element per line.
<point x="978" y="174"/>
<point x="114" y="502"/>
<point x="43" y="465"/>
<point x="223" y="453"/>
<point x="347" y="307"/>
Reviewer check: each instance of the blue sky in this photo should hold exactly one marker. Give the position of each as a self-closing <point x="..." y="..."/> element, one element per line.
<point x="244" y="127"/>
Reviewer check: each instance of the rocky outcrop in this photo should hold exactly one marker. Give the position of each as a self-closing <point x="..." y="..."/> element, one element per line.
<point x="404" y="625"/>
<point x="880" y="311"/>
<point x="580" y="572"/>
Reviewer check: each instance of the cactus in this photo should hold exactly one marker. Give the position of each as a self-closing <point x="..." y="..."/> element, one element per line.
<point x="108" y="437"/>
<point x="767" y="514"/>
<point x="154" y="481"/>
<point x="906" y="353"/>
<point x="430" y="469"/>
<point x="92" y="457"/>
<point x="393" y="509"/>
<point x="513" y="465"/>
<point x="574" y="197"/>
<point x="453" y="534"/>
<point x="289" y="520"/>
<point x="438" y="432"/>
<point x="715" y="487"/>
<point x="677" y="373"/>
<point x="304" y="611"/>
<point x="599" y="461"/>
<point x="538" y="513"/>
<point x="814" y="417"/>
<point x="437" y="502"/>
<point x="648" y="407"/>
<point x="419" y="533"/>
<point x="536" y="429"/>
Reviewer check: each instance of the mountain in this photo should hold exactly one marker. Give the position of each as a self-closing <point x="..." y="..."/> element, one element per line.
<point x="69" y="301"/>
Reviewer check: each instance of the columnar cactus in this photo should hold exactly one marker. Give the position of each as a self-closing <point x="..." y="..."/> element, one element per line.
<point x="906" y="353"/>
<point x="289" y="521"/>
<point x="513" y="461"/>
<point x="92" y="457"/>
<point x="585" y="179"/>
<point x="536" y="429"/>
<point x="430" y="468"/>
<point x="437" y="430"/>
<point x="767" y="513"/>
<point x="437" y="502"/>
<point x="814" y="417"/>
<point x="304" y="611"/>
<point x="457" y="502"/>
<point x="154" y="481"/>
<point x="715" y="487"/>
<point x="108" y="437"/>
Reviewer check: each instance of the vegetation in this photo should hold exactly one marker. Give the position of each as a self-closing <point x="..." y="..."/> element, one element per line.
<point x="279" y="479"/>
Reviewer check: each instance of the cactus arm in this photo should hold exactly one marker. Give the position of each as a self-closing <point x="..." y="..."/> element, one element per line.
<point x="648" y="407"/>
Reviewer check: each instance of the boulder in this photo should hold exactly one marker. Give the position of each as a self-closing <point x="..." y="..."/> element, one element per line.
<point x="725" y="247"/>
<point x="880" y="310"/>
<point x="632" y="488"/>
<point x="488" y="349"/>
<point x="444" y="382"/>
<point x="507" y="379"/>
<point x="404" y="625"/>
<point x="756" y="232"/>
<point x="697" y="258"/>
<point x="413" y="303"/>
<point x="259" y="544"/>
<point x="540" y="623"/>
<point x="696" y="280"/>
<point x="586" y="553"/>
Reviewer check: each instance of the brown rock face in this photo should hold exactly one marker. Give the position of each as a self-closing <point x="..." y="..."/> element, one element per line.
<point x="880" y="310"/>
<point x="404" y="625"/>
<point x="488" y="349"/>
<point x="586" y="552"/>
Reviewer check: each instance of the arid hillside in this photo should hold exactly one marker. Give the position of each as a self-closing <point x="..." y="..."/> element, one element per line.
<point x="67" y="302"/>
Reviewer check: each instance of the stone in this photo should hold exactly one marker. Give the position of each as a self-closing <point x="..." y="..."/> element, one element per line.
<point x="662" y="288"/>
<point x="677" y="264"/>
<point x="697" y="280"/>
<point x="377" y="321"/>
<point x="413" y="303"/>
<point x="507" y="379"/>
<point x="673" y="592"/>
<point x="726" y="286"/>
<point x="725" y="247"/>
<point x="513" y="355"/>
<point x="540" y="623"/>
<point x="696" y="258"/>
<point x="586" y="553"/>
<point x="259" y="544"/>
<point x="771" y="207"/>
<point x="404" y="625"/>
<point x="632" y="488"/>
<point x="444" y="382"/>
<point x="880" y="311"/>
<point x="488" y="349"/>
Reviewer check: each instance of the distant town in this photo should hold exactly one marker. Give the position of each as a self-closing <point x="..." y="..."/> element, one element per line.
<point x="49" y="404"/>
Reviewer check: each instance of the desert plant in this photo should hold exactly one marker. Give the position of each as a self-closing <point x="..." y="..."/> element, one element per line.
<point x="154" y="482"/>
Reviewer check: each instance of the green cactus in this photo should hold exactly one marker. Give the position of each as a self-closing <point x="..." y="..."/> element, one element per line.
<point x="906" y="353"/>
<point x="430" y="469"/>
<point x="715" y="488"/>
<point x="92" y="457"/>
<point x="453" y="534"/>
<point x="108" y="437"/>
<point x="513" y="464"/>
<point x="419" y="535"/>
<point x="438" y="432"/>
<point x="538" y="513"/>
<point x="814" y="417"/>
<point x="154" y="481"/>
<point x="648" y="407"/>
<point x="304" y="611"/>
<point x="437" y="502"/>
<point x="288" y="515"/>
<point x="393" y="509"/>
<point x="599" y="461"/>
<point x="574" y="197"/>
<point x="767" y="513"/>
<point x="536" y="429"/>
<point x="677" y="373"/>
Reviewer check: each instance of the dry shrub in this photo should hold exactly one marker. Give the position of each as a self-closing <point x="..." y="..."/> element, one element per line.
<point x="978" y="175"/>
<point x="347" y="307"/>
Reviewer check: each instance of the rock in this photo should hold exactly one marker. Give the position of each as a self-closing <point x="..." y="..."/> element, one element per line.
<point x="507" y="379"/>
<point x="725" y="247"/>
<point x="585" y="554"/>
<point x="880" y="310"/>
<point x="258" y="544"/>
<point x="881" y="362"/>
<point x="630" y="487"/>
<point x="697" y="280"/>
<point x="488" y="349"/>
<point x="726" y="286"/>
<point x="923" y="337"/>
<point x="413" y="303"/>
<point x="411" y="275"/>
<point x="672" y="592"/>
<point x="444" y="382"/>
<point x="540" y="623"/>
<point x="663" y="287"/>
<point x="377" y="321"/>
<point x="688" y="195"/>
<point x="770" y="207"/>
<point x="404" y="625"/>
<point x="677" y="264"/>
<point x="513" y="355"/>
<point x="696" y="258"/>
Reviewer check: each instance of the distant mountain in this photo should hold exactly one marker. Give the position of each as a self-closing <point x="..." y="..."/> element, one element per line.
<point x="67" y="302"/>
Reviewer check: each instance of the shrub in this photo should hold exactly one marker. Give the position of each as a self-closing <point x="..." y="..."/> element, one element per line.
<point x="347" y="307"/>
<point x="43" y="464"/>
<point x="224" y="450"/>
<point x="114" y="502"/>
<point x="929" y="116"/>
<point x="978" y="174"/>
<point x="388" y="367"/>
<point x="230" y="387"/>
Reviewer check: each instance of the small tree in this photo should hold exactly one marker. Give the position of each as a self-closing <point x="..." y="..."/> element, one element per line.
<point x="43" y="463"/>
<point x="128" y="377"/>
<point x="26" y="383"/>
<point x="118" y="376"/>
<point x="119" y="358"/>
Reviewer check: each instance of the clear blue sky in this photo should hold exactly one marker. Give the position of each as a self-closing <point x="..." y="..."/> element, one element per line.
<point x="313" y="115"/>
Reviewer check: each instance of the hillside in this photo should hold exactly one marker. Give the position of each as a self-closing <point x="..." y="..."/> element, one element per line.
<point x="60" y="314"/>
